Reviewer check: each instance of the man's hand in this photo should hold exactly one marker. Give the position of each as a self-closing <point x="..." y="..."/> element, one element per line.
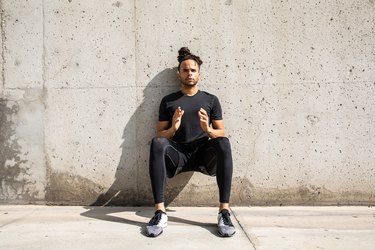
<point x="176" y="119"/>
<point x="165" y="130"/>
<point x="217" y="129"/>
<point x="203" y="119"/>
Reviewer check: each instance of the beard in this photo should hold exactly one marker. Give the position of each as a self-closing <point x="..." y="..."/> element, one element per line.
<point x="189" y="84"/>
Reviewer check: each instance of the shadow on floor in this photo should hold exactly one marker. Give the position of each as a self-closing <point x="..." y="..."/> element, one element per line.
<point x="144" y="214"/>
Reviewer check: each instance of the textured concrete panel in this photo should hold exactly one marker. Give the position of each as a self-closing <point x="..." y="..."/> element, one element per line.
<point x="89" y="44"/>
<point x="22" y="43"/>
<point x="90" y="70"/>
<point x="311" y="140"/>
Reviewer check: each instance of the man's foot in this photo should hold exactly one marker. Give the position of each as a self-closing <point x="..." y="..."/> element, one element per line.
<point x="224" y="225"/>
<point x="156" y="224"/>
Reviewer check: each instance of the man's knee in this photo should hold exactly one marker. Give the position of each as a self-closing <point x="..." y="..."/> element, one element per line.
<point x="159" y="143"/>
<point x="159" y="140"/>
<point x="223" y="143"/>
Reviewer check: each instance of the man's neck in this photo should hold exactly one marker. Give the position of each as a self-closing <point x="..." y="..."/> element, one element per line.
<point x="189" y="91"/>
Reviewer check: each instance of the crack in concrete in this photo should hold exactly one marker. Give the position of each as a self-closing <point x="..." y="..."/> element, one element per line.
<point x="243" y="229"/>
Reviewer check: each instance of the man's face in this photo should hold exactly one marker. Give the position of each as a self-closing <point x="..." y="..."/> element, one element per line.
<point x="189" y="73"/>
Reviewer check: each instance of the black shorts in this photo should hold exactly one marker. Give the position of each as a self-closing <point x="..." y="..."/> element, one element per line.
<point x="198" y="156"/>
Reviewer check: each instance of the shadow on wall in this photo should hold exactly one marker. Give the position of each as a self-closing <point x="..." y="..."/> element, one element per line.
<point x="132" y="185"/>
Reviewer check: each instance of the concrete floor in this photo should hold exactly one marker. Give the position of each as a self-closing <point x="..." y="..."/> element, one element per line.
<point x="73" y="227"/>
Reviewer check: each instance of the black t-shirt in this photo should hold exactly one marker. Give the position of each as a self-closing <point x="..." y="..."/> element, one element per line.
<point x="190" y="129"/>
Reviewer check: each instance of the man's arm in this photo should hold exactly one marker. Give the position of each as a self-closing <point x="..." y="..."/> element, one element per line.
<point x="163" y="129"/>
<point x="217" y="129"/>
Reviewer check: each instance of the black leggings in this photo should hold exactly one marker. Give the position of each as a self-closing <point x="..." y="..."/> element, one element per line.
<point x="212" y="157"/>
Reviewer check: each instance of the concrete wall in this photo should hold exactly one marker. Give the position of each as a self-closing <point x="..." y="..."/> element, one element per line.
<point x="81" y="82"/>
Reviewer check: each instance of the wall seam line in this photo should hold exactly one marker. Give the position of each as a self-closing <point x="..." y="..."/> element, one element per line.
<point x="136" y="94"/>
<point x="44" y="97"/>
<point x="44" y="47"/>
<point x="3" y="47"/>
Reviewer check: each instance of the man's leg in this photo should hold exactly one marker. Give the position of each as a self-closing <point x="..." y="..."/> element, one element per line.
<point x="224" y="170"/>
<point x="224" y="180"/>
<point x="216" y="156"/>
<point x="164" y="161"/>
<point x="157" y="170"/>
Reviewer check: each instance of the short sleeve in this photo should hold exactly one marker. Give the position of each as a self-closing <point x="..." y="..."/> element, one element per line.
<point x="163" y="111"/>
<point x="216" y="113"/>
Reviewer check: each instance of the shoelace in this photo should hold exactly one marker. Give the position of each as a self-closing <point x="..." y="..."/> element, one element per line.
<point x="155" y="220"/>
<point x="226" y="219"/>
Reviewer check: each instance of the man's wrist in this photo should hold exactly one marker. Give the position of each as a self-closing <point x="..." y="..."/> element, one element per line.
<point x="209" y="131"/>
<point x="172" y="130"/>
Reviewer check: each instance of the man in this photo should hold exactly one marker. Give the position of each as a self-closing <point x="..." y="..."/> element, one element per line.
<point x="190" y="137"/>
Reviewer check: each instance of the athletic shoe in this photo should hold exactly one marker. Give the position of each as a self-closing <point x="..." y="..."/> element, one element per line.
<point x="224" y="225"/>
<point x="156" y="224"/>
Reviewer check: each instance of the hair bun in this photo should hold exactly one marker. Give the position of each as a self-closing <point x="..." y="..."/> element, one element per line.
<point x="182" y="53"/>
<point x="185" y="54"/>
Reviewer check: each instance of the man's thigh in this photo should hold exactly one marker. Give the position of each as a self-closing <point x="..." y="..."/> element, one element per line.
<point x="176" y="159"/>
<point x="205" y="159"/>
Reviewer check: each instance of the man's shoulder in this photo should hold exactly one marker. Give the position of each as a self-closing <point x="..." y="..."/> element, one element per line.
<point x="172" y="96"/>
<point x="208" y="95"/>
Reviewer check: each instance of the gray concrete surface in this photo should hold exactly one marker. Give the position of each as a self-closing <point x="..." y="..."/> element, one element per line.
<point x="81" y="81"/>
<point x="51" y="227"/>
